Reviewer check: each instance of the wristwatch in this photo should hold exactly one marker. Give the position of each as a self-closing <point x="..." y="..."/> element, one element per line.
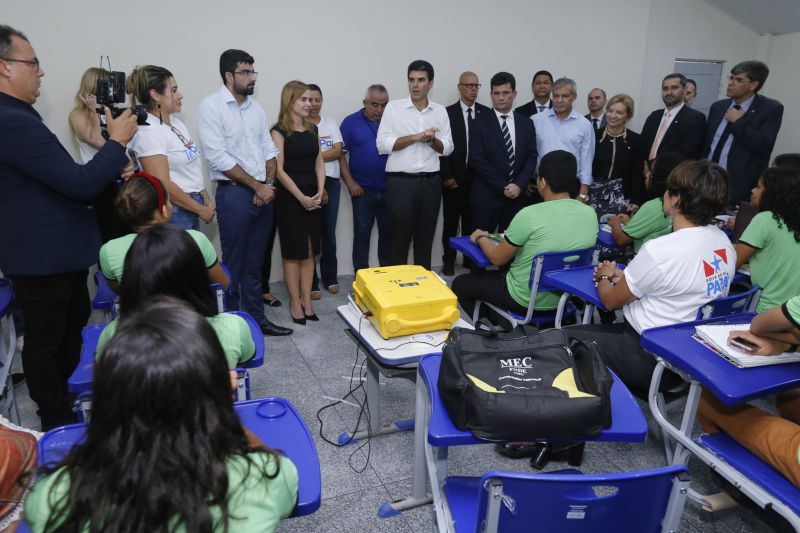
<point x="584" y="197"/>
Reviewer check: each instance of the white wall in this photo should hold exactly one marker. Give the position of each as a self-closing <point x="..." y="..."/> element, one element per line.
<point x="783" y="81"/>
<point x="620" y="45"/>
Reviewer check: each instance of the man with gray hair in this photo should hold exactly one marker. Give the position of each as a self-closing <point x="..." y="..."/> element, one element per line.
<point x="365" y="176"/>
<point x="563" y="128"/>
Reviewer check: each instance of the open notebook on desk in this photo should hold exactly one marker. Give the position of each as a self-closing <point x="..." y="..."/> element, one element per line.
<point x="715" y="337"/>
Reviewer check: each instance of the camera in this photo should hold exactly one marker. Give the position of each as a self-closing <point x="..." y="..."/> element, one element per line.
<point x="111" y="91"/>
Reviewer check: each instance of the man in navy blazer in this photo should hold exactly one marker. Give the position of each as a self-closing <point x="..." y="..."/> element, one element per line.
<point x="48" y="234"/>
<point x="456" y="175"/>
<point x="676" y="128"/>
<point x="502" y="165"/>
<point x="743" y="127"/>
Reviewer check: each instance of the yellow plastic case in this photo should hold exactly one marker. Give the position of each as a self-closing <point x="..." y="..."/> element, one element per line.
<point x="405" y="299"/>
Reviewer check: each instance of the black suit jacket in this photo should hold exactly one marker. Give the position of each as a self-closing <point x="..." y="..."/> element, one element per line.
<point x="454" y="166"/>
<point x="488" y="158"/>
<point x="753" y="139"/>
<point x="685" y="135"/>
<point x="531" y="108"/>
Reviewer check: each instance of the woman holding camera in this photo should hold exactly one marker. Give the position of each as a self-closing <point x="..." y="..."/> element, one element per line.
<point x="165" y="148"/>
<point x="85" y="126"/>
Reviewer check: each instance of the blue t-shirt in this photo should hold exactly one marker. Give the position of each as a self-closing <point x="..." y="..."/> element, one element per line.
<point x="366" y="164"/>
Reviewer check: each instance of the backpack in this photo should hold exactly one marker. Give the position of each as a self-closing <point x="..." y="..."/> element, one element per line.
<point x="524" y="385"/>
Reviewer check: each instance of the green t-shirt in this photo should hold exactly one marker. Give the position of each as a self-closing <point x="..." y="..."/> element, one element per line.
<point x="554" y="226"/>
<point x="112" y="254"/>
<point x="774" y="265"/>
<point x="648" y="223"/>
<point x="256" y="504"/>
<point x="232" y="331"/>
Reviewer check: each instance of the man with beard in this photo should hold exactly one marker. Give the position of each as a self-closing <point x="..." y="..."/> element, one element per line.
<point x="241" y="158"/>
<point x="676" y="128"/>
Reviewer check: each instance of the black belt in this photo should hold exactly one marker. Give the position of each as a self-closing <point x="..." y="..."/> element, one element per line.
<point x="225" y="183"/>
<point x="417" y="175"/>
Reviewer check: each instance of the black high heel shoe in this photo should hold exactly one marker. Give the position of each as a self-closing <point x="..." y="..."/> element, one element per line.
<point x="301" y="321"/>
<point x="313" y="317"/>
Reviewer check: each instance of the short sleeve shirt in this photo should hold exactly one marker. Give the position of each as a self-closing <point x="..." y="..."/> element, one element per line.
<point x="112" y="254"/>
<point x="554" y="226"/>
<point x="775" y="264"/>
<point x="329" y="135"/>
<point x="648" y="223"/>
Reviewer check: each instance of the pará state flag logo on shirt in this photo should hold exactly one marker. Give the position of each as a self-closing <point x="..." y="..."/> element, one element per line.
<point x="717" y="278"/>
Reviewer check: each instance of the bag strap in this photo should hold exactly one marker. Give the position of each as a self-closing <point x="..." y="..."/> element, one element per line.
<point x="485" y="328"/>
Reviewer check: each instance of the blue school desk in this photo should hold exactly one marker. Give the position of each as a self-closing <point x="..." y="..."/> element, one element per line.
<point x="676" y="350"/>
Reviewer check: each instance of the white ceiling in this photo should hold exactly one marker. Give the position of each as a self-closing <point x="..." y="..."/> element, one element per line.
<point x="763" y="16"/>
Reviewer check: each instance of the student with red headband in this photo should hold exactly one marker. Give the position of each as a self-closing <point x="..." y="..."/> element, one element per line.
<point x="142" y="203"/>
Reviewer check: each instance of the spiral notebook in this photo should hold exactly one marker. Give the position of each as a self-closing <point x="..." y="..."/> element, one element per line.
<point x="715" y="337"/>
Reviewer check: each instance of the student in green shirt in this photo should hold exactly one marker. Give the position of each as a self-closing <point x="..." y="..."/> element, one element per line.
<point x="165" y="260"/>
<point x="649" y="222"/>
<point x="771" y="242"/>
<point x="558" y="224"/>
<point x="143" y="202"/>
<point x="165" y="450"/>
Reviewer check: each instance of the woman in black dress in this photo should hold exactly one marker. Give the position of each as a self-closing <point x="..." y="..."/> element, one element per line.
<point x="299" y="196"/>
<point x="618" y="183"/>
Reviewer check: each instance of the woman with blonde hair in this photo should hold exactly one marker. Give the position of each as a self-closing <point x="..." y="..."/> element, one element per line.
<point x="166" y="149"/>
<point x="299" y="196"/>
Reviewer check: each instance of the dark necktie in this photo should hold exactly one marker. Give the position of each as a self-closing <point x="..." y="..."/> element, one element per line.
<point x="596" y="125"/>
<point x="509" y="145"/>
<point x="723" y="139"/>
<point x="541" y="108"/>
<point x="469" y="125"/>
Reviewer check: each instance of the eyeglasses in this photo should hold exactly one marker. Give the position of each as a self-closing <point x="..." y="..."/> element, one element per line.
<point x="247" y="73"/>
<point x="739" y="81"/>
<point x="30" y="62"/>
<point x="471" y="85"/>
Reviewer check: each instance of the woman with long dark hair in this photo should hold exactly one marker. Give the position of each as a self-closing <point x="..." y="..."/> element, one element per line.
<point x="771" y="242"/>
<point x="166" y="260"/>
<point x="164" y="450"/>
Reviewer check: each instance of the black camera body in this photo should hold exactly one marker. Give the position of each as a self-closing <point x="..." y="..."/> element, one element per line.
<point x="111" y="91"/>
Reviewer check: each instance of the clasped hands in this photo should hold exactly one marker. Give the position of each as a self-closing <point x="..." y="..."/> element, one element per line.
<point x="427" y="136"/>
<point x="607" y="270"/>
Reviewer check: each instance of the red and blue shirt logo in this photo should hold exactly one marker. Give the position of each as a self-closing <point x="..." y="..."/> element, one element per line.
<point x="717" y="277"/>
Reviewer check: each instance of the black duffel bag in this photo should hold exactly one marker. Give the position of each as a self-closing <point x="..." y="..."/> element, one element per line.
<point x="524" y="385"/>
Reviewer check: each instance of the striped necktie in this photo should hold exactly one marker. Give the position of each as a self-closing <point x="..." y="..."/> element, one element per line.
<point x="509" y="145"/>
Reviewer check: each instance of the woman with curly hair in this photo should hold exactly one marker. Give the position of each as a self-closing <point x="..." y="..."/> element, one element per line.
<point x="164" y="450"/>
<point x="771" y="243"/>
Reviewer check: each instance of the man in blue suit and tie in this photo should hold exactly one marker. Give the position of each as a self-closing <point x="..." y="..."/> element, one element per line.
<point x="742" y="128"/>
<point x="502" y="156"/>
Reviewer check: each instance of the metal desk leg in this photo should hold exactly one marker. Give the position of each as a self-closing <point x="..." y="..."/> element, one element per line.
<point x="419" y="480"/>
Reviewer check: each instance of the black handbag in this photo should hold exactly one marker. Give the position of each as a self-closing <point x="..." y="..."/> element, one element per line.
<point x="524" y="385"/>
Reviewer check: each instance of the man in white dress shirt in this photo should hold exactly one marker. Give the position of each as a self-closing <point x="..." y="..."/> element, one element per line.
<point x="563" y="128"/>
<point x="414" y="132"/>
<point x="241" y="158"/>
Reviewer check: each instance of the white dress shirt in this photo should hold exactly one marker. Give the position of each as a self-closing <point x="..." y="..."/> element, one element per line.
<point x="574" y="134"/>
<point x="512" y="130"/>
<point x="231" y="134"/>
<point x="401" y="118"/>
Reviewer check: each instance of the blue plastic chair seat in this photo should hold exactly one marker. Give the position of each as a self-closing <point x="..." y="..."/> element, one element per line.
<point x="81" y="378"/>
<point x="753" y="468"/>
<point x="462" y="493"/>
<point x="258" y="339"/>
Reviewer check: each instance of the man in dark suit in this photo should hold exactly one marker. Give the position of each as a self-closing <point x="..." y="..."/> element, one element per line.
<point x="541" y="86"/>
<point x="743" y="127"/>
<point x="596" y="102"/>
<point x="456" y="176"/>
<point x="48" y="233"/>
<point x="502" y="155"/>
<point x="676" y="128"/>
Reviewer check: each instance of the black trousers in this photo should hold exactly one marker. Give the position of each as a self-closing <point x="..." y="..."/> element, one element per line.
<point x="55" y="309"/>
<point x="487" y="286"/>
<point x="412" y="204"/>
<point x="455" y="210"/>
<point x="620" y="349"/>
<point x="266" y="270"/>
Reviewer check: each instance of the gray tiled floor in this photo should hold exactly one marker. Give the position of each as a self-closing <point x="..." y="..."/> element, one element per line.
<point x="315" y="361"/>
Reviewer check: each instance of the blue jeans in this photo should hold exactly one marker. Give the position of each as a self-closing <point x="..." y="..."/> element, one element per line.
<point x="187" y="219"/>
<point x="366" y="209"/>
<point x="243" y="231"/>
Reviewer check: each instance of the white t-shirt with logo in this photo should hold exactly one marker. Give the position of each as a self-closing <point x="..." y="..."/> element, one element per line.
<point x="674" y="275"/>
<point x="175" y="142"/>
<point x="329" y="135"/>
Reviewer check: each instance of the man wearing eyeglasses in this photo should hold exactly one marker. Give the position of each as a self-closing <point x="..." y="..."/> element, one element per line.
<point x="456" y="175"/>
<point x="48" y="232"/>
<point x="241" y="156"/>
<point x="742" y="128"/>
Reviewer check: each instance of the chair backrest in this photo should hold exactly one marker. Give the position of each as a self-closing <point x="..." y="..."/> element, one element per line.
<point x="731" y="305"/>
<point x="7" y="347"/>
<point x="574" y="502"/>
<point x="547" y="261"/>
<point x="105" y="298"/>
